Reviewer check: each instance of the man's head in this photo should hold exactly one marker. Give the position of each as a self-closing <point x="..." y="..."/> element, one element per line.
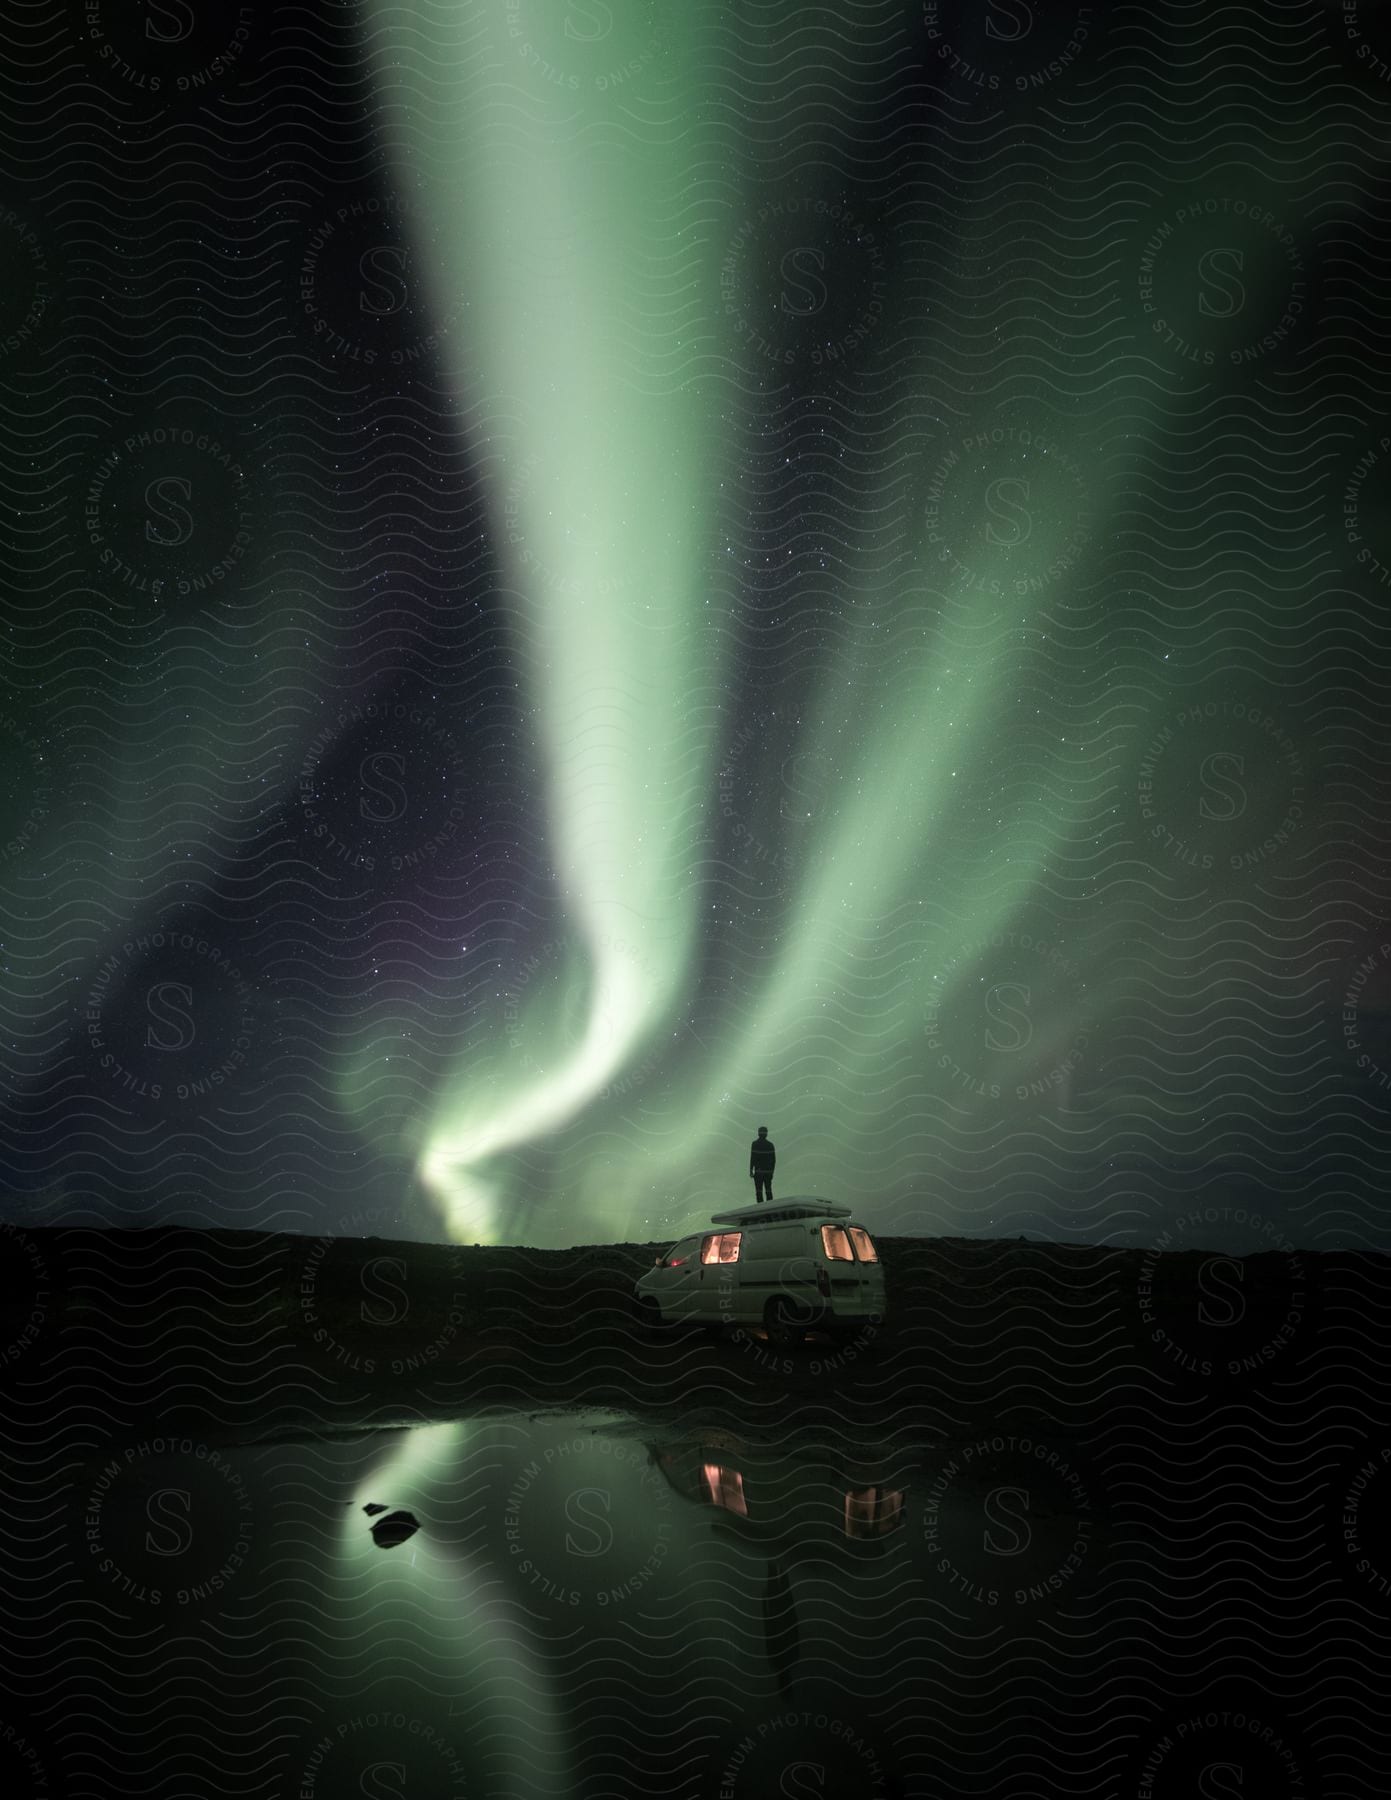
<point x="763" y="1131"/>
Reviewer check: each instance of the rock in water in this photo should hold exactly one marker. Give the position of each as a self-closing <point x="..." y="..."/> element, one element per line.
<point x="394" y="1529"/>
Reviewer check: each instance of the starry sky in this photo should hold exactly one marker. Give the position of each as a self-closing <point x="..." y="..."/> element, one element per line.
<point x="583" y="578"/>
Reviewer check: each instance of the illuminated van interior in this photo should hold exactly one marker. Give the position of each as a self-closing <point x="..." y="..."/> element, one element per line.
<point x="836" y="1241"/>
<point x="864" y="1244"/>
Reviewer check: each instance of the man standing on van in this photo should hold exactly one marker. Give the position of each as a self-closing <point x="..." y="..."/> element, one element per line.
<point x="762" y="1157"/>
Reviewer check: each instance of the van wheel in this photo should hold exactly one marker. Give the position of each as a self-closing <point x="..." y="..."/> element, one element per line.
<point x="782" y="1324"/>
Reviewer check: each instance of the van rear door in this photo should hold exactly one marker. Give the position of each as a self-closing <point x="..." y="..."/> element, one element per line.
<point x="852" y="1264"/>
<point x="871" y="1269"/>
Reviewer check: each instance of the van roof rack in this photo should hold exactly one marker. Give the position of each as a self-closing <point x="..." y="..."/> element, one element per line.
<point x="804" y="1206"/>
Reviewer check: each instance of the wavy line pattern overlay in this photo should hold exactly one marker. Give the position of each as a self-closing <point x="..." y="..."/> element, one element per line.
<point x="582" y="575"/>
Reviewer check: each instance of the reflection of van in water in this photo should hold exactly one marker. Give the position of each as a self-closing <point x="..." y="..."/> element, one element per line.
<point x="810" y="1511"/>
<point x="789" y="1504"/>
<point x="788" y="1265"/>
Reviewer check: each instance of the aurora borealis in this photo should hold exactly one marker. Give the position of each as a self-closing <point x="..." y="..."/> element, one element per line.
<point x="642" y="572"/>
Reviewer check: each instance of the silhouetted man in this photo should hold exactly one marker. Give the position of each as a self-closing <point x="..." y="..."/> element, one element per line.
<point x="762" y="1157"/>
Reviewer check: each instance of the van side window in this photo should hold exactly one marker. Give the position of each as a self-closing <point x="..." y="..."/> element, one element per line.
<point x="682" y="1253"/>
<point x="836" y="1245"/>
<point x="864" y="1244"/>
<point x="721" y="1247"/>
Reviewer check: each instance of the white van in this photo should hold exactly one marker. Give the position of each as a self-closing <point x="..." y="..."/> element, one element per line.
<point x="788" y="1265"/>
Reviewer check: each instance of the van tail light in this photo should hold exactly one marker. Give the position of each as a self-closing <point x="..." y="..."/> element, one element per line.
<point x="823" y="1280"/>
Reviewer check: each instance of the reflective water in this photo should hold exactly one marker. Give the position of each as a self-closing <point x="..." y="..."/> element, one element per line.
<point x="1025" y="1544"/>
<point x="581" y="1603"/>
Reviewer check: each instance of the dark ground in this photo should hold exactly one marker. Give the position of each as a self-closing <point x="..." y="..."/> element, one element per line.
<point x="1199" y="1447"/>
<point x="253" y="1330"/>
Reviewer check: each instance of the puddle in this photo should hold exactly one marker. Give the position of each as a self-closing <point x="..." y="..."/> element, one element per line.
<point x="562" y="1603"/>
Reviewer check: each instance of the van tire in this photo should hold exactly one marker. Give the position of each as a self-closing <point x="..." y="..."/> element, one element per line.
<point x="781" y="1322"/>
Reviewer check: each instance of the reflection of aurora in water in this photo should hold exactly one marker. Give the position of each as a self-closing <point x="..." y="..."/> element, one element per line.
<point x="576" y="1578"/>
<point x="565" y="1558"/>
<point x="440" y="1593"/>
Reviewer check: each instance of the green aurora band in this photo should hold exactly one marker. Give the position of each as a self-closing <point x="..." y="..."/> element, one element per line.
<point x="583" y="239"/>
<point x="549" y="223"/>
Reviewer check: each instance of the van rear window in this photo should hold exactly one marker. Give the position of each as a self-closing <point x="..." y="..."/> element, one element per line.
<point x="864" y="1244"/>
<point x="724" y="1487"/>
<point x="836" y="1245"/>
<point x="873" y="1511"/>
<point x="721" y="1247"/>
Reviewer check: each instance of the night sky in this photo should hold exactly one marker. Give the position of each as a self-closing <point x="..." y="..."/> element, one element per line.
<point x="583" y="578"/>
